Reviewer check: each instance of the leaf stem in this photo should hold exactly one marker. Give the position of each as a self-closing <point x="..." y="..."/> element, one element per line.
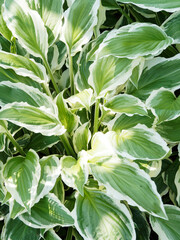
<point x="16" y="145"/>
<point x="76" y="235"/>
<point x="123" y="12"/>
<point x="69" y="234"/>
<point x="67" y="145"/>
<point x="96" y="116"/>
<point x="46" y="89"/>
<point x="71" y="74"/>
<point x="50" y="74"/>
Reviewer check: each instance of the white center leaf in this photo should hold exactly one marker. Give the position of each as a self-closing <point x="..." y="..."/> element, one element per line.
<point x="21" y="175"/>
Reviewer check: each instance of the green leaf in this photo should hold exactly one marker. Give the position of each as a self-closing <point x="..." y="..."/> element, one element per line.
<point x="27" y="26"/>
<point x="170" y="130"/>
<point x="100" y="217"/>
<point x="51" y="14"/>
<point x="81" y="137"/>
<point x="4" y="30"/>
<point x="125" y="181"/>
<point x="164" y="105"/>
<point x="156" y="5"/>
<point x="38" y="120"/>
<point x="177" y="183"/>
<point x="135" y="40"/>
<point x="51" y="235"/>
<point x="23" y="66"/>
<point x="167" y="229"/>
<point x="48" y="213"/>
<point x="159" y="72"/>
<point x="2" y="141"/>
<point x="109" y="72"/>
<point x="50" y="171"/>
<point x="15" y="229"/>
<point x="78" y="25"/>
<point x="21" y="176"/>
<point x="15" y="209"/>
<point x="171" y="26"/>
<point x="124" y="103"/>
<point x="68" y="119"/>
<point x="74" y="173"/>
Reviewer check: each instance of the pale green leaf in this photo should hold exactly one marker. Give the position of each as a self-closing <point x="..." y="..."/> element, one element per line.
<point x="48" y="213"/>
<point x="159" y="72"/>
<point x="4" y="30"/>
<point x="164" y="105"/>
<point x="27" y="26"/>
<point x="38" y="120"/>
<point x="137" y="71"/>
<point x="125" y="181"/>
<point x="21" y="176"/>
<point x="109" y="72"/>
<point x="74" y="173"/>
<point x="78" y="25"/>
<point x="15" y="229"/>
<point x="124" y="103"/>
<point x="171" y="26"/>
<point x="81" y="137"/>
<point x="167" y="229"/>
<point x="67" y="118"/>
<point x="135" y="40"/>
<point x="23" y="66"/>
<point x="156" y="5"/>
<point x="100" y="217"/>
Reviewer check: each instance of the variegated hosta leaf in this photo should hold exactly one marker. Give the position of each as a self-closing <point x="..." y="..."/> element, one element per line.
<point x="51" y="235"/>
<point x="159" y="72"/>
<point x="124" y="103"/>
<point x="67" y="118"/>
<point x="155" y="5"/>
<point x="4" y="30"/>
<point x="164" y="105"/>
<point x="50" y="171"/>
<point x="21" y="176"/>
<point x="48" y="213"/>
<point x="135" y="40"/>
<point x="2" y="141"/>
<point x="16" y="229"/>
<point x="82" y="137"/>
<point x="177" y="183"/>
<point x="23" y="66"/>
<point x="170" y="130"/>
<point x="136" y="73"/>
<point x="125" y="181"/>
<point x="83" y="99"/>
<point x="109" y="72"/>
<point x="51" y="14"/>
<point x="100" y="217"/>
<point x="78" y="25"/>
<point x="19" y="92"/>
<point x="167" y="229"/>
<point x="27" y="26"/>
<point x="15" y="209"/>
<point x="171" y="26"/>
<point x="74" y="173"/>
<point x="38" y="120"/>
<point x="101" y="19"/>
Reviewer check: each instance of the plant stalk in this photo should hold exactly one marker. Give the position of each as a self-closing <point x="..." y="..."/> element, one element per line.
<point x="51" y="75"/>
<point x="67" y="146"/>
<point x="71" y="74"/>
<point x="69" y="234"/>
<point x="96" y="116"/>
<point x="16" y="145"/>
<point x="46" y="89"/>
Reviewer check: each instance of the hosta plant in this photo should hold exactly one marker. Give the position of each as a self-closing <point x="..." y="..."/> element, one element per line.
<point x="89" y="120"/>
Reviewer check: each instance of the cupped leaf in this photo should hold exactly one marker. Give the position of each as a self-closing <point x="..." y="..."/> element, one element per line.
<point x="21" y="176"/>
<point x="23" y="66"/>
<point x="155" y="5"/>
<point x="50" y="171"/>
<point x="16" y="229"/>
<point x="27" y="26"/>
<point x="48" y="213"/>
<point x="135" y="40"/>
<point x="124" y="103"/>
<point x="171" y="26"/>
<point x="38" y="120"/>
<point x="158" y="72"/>
<point x="51" y="14"/>
<point x="164" y="104"/>
<point x="125" y="181"/>
<point x="78" y="25"/>
<point x="167" y="229"/>
<point x="74" y="173"/>
<point x="109" y="72"/>
<point x="100" y="217"/>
